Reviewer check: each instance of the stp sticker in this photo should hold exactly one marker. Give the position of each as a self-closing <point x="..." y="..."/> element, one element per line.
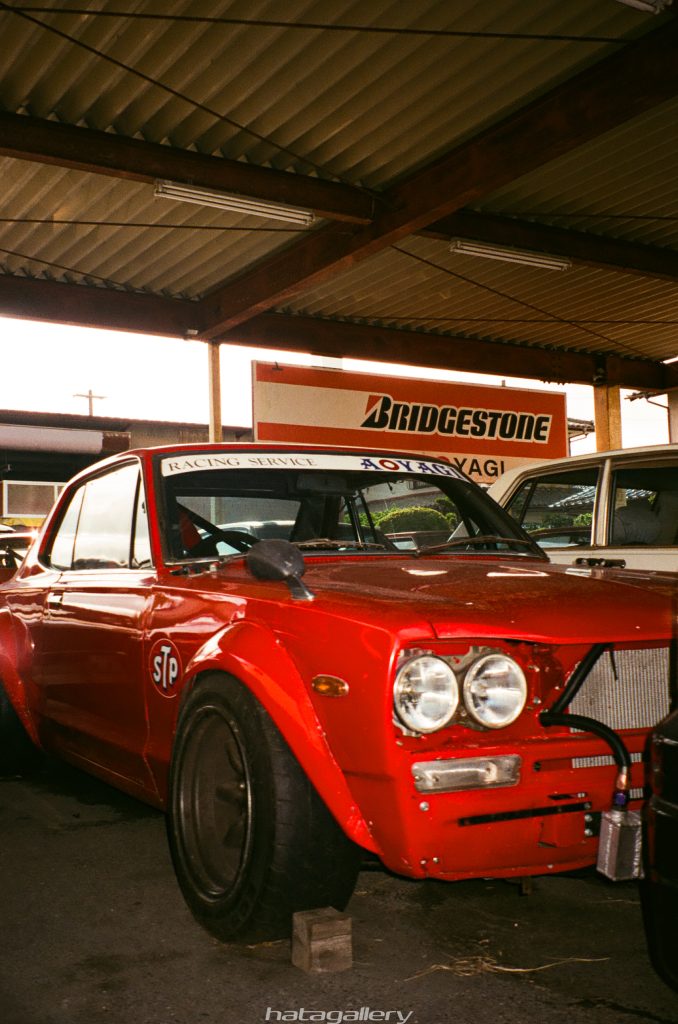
<point x="165" y="666"/>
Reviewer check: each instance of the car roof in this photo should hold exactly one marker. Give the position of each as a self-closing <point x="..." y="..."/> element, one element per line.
<point x="277" y="446"/>
<point x="257" y="446"/>
<point x="587" y="458"/>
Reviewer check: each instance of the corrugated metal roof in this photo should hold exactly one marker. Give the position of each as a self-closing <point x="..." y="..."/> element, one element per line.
<point x="358" y="104"/>
<point x="421" y="284"/>
<point x="622" y="185"/>
<point x="165" y="256"/>
<point x="344" y="91"/>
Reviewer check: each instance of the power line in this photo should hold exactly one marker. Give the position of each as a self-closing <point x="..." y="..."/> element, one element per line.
<point x="74" y="222"/>
<point x="114" y="285"/>
<point x="317" y="26"/>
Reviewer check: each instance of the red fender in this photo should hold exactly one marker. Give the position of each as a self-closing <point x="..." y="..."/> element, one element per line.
<point x="11" y="680"/>
<point x="250" y="652"/>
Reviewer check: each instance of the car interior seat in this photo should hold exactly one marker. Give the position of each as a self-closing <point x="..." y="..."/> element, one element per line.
<point x="635" y="523"/>
<point x="667" y="513"/>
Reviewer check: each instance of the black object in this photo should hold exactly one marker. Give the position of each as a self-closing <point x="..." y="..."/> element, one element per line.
<point x="659" y="889"/>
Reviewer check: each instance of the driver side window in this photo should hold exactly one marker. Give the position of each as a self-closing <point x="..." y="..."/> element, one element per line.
<point x="97" y="532"/>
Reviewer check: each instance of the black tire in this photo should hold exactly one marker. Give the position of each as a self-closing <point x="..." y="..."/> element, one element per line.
<point x="18" y="753"/>
<point x="251" y="840"/>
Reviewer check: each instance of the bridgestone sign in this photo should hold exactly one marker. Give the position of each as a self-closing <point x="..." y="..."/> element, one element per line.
<point x="455" y="422"/>
<point x="481" y="430"/>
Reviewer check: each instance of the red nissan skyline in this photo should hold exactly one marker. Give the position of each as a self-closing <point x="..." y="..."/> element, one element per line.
<point x="233" y="634"/>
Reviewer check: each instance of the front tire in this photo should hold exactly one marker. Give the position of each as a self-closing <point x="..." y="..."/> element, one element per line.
<point x="251" y="840"/>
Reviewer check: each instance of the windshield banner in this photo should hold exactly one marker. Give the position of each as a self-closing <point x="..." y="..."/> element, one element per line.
<point x="177" y="464"/>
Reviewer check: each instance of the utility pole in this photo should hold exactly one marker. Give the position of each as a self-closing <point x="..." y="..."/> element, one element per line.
<point x="90" y="396"/>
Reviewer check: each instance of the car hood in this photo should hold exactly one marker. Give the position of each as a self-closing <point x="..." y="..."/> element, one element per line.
<point x="531" y="600"/>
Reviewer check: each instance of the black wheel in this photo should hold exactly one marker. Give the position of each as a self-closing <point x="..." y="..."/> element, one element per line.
<point x="250" y="838"/>
<point x="17" y="751"/>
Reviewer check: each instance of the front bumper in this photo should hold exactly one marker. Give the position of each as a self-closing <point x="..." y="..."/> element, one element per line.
<point x="545" y="822"/>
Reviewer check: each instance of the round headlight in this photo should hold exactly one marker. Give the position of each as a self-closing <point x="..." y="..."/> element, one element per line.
<point x="425" y="694"/>
<point x="495" y="691"/>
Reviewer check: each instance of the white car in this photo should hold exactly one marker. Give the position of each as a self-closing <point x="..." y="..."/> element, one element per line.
<point x="599" y="509"/>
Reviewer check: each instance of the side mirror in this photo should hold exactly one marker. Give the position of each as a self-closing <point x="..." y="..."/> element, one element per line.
<point x="279" y="560"/>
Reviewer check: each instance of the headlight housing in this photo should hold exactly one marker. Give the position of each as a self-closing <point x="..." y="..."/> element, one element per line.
<point x="425" y="693"/>
<point x="495" y="691"/>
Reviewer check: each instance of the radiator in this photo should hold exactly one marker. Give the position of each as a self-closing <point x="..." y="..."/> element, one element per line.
<point x="637" y="697"/>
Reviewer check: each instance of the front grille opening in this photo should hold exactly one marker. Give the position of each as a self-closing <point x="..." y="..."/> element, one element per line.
<point x="637" y="698"/>
<point x="601" y="761"/>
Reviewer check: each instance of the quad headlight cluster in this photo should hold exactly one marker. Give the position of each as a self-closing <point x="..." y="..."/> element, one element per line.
<point x="428" y="691"/>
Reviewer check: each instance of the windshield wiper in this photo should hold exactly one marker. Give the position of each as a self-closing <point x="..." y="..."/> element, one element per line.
<point x="336" y="545"/>
<point x="478" y="538"/>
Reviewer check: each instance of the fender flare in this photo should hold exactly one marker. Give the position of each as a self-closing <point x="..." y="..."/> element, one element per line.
<point x="250" y="652"/>
<point x="10" y="679"/>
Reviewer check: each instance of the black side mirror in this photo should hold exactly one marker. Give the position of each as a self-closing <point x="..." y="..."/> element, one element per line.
<point x="279" y="560"/>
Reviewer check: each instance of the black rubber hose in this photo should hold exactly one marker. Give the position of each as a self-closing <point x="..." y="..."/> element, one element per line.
<point x="619" y="752"/>
<point x="575" y="681"/>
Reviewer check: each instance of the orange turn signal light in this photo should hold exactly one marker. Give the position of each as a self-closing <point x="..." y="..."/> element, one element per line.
<point x="330" y="686"/>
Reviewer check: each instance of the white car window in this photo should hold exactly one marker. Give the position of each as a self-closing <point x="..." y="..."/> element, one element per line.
<point x="557" y="509"/>
<point x="644" y="506"/>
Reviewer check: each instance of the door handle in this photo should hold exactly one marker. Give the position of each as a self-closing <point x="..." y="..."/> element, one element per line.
<point x="55" y="600"/>
<point x="608" y="563"/>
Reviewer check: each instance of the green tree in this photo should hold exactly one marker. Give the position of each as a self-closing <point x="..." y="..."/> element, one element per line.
<point x="413" y="517"/>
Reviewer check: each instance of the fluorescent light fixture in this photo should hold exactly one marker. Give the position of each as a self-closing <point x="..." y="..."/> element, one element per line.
<point x="649" y="6"/>
<point x="234" y="203"/>
<point x="466" y="247"/>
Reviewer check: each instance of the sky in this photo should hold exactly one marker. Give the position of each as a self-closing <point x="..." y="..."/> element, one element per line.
<point x="45" y="366"/>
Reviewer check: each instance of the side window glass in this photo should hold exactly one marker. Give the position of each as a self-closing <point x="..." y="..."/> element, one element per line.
<point x="141" y="543"/>
<point x="104" y="535"/>
<point x="557" y="509"/>
<point x="644" y="507"/>
<point x="61" y="552"/>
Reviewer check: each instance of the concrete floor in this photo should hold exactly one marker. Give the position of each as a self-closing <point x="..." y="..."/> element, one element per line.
<point x="93" y="930"/>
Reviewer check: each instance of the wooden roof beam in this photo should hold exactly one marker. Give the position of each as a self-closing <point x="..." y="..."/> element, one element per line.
<point x="85" y="306"/>
<point x="448" y="352"/>
<point x="579" y="246"/>
<point x="97" y="152"/>
<point x="594" y="101"/>
<point x="105" y="308"/>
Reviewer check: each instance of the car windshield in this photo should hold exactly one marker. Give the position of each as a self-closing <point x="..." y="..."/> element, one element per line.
<point x="220" y="504"/>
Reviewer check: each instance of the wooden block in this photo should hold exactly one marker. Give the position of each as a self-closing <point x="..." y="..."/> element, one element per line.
<point x="322" y="941"/>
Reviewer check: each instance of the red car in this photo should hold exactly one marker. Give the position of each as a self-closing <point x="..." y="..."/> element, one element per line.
<point x="295" y="699"/>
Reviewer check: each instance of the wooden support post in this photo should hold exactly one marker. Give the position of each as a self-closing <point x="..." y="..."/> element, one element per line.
<point x="216" y="432"/>
<point x="673" y="416"/>
<point x="607" y="412"/>
<point x="321" y="941"/>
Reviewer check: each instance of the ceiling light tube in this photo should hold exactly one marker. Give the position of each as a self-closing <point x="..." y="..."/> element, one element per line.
<point x="650" y="6"/>
<point x="234" y="203"/>
<point x="466" y="247"/>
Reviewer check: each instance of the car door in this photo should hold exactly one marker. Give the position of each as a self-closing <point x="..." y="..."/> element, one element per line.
<point x="88" y="663"/>
<point x="639" y="521"/>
